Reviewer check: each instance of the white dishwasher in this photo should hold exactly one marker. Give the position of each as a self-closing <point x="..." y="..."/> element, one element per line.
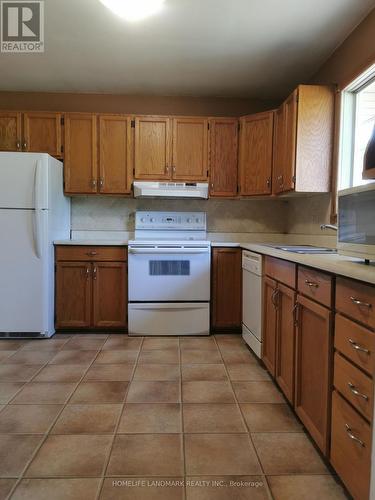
<point x="252" y="300"/>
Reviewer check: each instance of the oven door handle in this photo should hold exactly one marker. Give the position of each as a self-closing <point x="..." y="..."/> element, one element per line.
<point x="167" y="251"/>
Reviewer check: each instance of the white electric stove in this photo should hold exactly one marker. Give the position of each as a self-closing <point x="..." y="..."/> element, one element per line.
<point x="169" y="274"/>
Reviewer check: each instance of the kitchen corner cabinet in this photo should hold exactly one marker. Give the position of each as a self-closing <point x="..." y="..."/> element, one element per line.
<point x="226" y="289"/>
<point x="223" y="157"/>
<point x="34" y="132"/>
<point x="256" y="150"/>
<point x="303" y="142"/>
<point x="91" y="287"/>
<point x="80" y="165"/>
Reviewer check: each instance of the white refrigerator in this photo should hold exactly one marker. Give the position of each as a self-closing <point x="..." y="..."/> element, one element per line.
<point x="33" y="213"/>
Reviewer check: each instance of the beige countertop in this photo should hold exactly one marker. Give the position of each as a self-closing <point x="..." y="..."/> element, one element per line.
<point x="107" y="243"/>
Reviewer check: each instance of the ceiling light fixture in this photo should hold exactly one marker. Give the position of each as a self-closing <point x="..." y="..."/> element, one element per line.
<point x="133" y="10"/>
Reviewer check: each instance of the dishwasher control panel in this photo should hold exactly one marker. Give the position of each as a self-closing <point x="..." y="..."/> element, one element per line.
<point x="252" y="262"/>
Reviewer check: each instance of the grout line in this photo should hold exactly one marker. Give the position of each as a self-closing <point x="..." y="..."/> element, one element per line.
<point x="182" y="421"/>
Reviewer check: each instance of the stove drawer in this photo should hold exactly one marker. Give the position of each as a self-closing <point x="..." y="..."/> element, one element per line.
<point x="169" y="319"/>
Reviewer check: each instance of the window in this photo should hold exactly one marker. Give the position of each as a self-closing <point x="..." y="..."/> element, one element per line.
<point x="357" y="124"/>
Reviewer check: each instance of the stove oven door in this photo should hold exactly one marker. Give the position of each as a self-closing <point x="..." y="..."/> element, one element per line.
<point x="167" y="273"/>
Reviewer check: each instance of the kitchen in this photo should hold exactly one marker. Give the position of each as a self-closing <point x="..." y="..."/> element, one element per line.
<point x="179" y="316"/>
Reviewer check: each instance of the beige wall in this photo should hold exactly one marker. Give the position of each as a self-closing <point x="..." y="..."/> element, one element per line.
<point x="128" y="104"/>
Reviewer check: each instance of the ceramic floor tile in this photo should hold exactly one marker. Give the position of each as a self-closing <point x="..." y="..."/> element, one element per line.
<point x="57" y="489"/>
<point x="306" y="487"/>
<point x="22" y="448"/>
<point x="203" y="343"/>
<point x="4" y="355"/>
<point x="257" y="392"/>
<point x="150" y="418"/>
<point x="226" y="488"/>
<point x="13" y="373"/>
<point x="11" y="345"/>
<point x="264" y="417"/>
<point x="120" y="373"/>
<point x="74" y="357"/>
<point x="191" y="356"/>
<point x="287" y="453"/>
<point x="204" y="372"/>
<point x="73" y="456"/>
<point x="219" y="418"/>
<point x="122" y="343"/>
<point x="83" y="344"/>
<point x="100" y="392"/>
<point x="28" y="419"/>
<point x="44" y="393"/>
<point x="153" y="392"/>
<point x="159" y="356"/>
<point x="141" y="488"/>
<point x="61" y="373"/>
<point x="220" y="454"/>
<point x="6" y="486"/>
<point x="239" y="356"/>
<point x="158" y="343"/>
<point x="247" y="371"/>
<point x="157" y="372"/>
<point x="8" y="390"/>
<point x="31" y="357"/>
<point x="146" y="454"/>
<point x="207" y="392"/>
<point x="87" y="419"/>
<point x="116" y="357"/>
<point x="53" y="344"/>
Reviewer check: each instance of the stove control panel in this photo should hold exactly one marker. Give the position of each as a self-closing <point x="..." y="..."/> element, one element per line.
<point x="177" y="221"/>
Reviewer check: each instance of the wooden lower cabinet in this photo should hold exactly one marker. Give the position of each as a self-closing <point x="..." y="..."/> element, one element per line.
<point x="226" y="289"/>
<point x="90" y="294"/>
<point x="269" y="324"/>
<point x="285" y="341"/>
<point x="313" y="369"/>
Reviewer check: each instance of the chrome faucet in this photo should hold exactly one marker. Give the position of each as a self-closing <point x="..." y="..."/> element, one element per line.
<point x="328" y="226"/>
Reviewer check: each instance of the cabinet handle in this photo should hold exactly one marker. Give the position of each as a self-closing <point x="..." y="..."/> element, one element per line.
<point x="87" y="273"/>
<point x="94" y="273"/>
<point x="268" y="182"/>
<point x="24" y="145"/>
<point x="166" y="169"/>
<point x="174" y="169"/>
<point x="360" y="303"/>
<point x="356" y="392"/>
<point x="295" y="312"/>
<point x="311" y="284"/>
<point x="352" y="436"/>
<point x="274" y="298"/>
<point x="358" y="347"/>
<point x="93" y="183"/>
<point x="101" y="182"/>
<point x="18" y="145"/>
<point x="92" y="253"/>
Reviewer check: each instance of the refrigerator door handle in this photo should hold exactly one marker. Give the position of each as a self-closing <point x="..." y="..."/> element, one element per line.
<point x="37" y="232"/>
<point x="38" y="185"/>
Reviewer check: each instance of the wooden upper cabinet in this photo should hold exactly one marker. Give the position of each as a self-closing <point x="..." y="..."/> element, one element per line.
<point x="303" y="144"/>
<point x="10" y="131"/>
<point x="153" y="147"/>
<point x="80" y="153"/>
<point x="115" y="154"/>
<point x="42" y="133"/>
<point x="223" y="156"/>
<point x="190" y="149"/>
<point x="256" y="138"/>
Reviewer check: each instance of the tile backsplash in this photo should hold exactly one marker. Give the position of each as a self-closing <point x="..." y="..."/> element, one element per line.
<point x="224" y="216"/>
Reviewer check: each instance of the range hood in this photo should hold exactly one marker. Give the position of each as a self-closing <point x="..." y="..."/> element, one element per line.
<point x="170" y="189"/>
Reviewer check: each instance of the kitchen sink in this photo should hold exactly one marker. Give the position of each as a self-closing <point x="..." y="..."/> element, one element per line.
<point x="308" y="249"/>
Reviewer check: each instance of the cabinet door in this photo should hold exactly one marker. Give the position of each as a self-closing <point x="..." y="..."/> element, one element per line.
<point x="80" y="153"/>
<point x="10" y="131"/>
<point x="269" y="324"/>
<point x="153" y="147"/>
<point x="223" y="157"/>
<point x="115" y="146"/>
<point x="73" y="295"/>
<point x="226" y="288"/>
<point x="256" y="138"/>
<point x="42" y="133"/>
<point x="110" y="294"/>
<point x="285" y="342"/>
<point x="290" y="137"/>
<point x="190" y="149"/>
<point x="278" y="151"/>
<point x="313" y="372"/>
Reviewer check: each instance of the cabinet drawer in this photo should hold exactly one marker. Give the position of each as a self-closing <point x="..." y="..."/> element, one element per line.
<point x="90" y="253"/>
<point x="350" y="458"/>
<point x="356" y="343"/>
<point x="354" y="385"/>
<point x="315" y="285"/>
<point x="281" y="270"/>
<point x="356" y="300"/>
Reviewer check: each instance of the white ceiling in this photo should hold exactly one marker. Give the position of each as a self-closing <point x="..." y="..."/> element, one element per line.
<point x="238" y="48"/>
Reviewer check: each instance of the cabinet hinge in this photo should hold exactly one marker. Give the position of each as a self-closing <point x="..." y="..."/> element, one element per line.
<point x="132" y="123"/>
<point x="62" y="121"/>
